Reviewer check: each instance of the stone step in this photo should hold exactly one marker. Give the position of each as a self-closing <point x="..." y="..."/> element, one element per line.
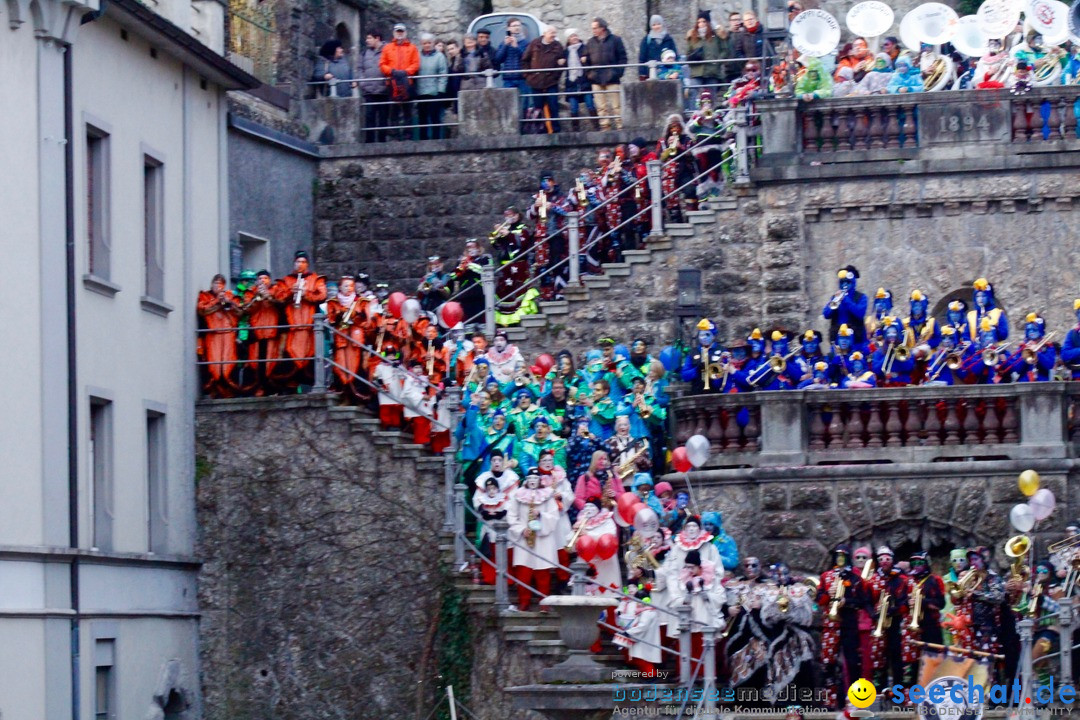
<point x="662" y="243"/>
<point x="555" y="307"/>
<point x="388" y="437"/>
<point x="578" y="293"/>
<point x="595" y="282"/>
<point x="408" y="450"/>
<point x="677" y="231"/>
<point x="339" y="412"/>
<point x="700" y="217"/>
<point x="724" y="204"/>
<point x="529" y="617"/>
<point x="430" y="462"/>
<point x="635" y="257"/>
<point x="481" y="599"/>
<point x="516" y="333"/>
<point x="617" y="269"/>
<point x="534" y="321"/>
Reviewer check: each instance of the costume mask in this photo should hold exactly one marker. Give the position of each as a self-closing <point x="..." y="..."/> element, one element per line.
<point x="691" y="530"/>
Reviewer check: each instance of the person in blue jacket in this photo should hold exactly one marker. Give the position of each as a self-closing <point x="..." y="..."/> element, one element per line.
<point x="891" y="370"/>
<point x="706" y="352"/>
<point x="1043" y="354"/>
<point x="653" y="46"/>
<point x="986" y="307"/>
<point x="1070" y="347"/>
<point x="882" y="307"/>
<point x="938" y="371"/>
<point x="860" y="376"/>
<point x="956" y="317"/>
<point x="713" y="523"/>
<point x="847" y="307"/>
<point x="906" y="79"/>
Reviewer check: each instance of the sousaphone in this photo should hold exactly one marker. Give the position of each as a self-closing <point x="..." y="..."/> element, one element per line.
<point x="814" y="33"/>
<point x="998" y="18"/>
<point x="870" y="19"/>
<point x="936" y="24"/>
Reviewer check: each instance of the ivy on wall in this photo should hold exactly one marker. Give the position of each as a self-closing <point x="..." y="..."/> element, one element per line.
<point x="454" y="646"/>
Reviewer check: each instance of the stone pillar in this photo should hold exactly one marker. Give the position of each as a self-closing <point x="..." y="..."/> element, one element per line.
<point x="320" y="354"/>
<point x="647" y="105"/>
<point x="459" y="524"/>
<point x="502" y="597"/>
<point x="779" y="126"/>
<point x="1043" y="431"/>
<point x="450" y="466"/>
<point x="490" y="111"/>
<point x="334" y="120"/>
<point x="784" y="432"/>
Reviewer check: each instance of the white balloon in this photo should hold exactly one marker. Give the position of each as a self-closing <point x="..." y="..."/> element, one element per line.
<point x="697" y="450"/>
<point x="410" y="310"/>
<point x="1042" y="503"/>
<point x="647" y="521"/>
<point x="1021" y="517"/>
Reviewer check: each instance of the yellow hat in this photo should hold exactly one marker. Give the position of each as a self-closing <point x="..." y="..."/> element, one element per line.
<point x="821" y="365"/>
<point x="842" y="274"/>
<point x="1076" y="304"/>
<point x="845" y="330"/>
<point x="856" y="355"/>
<point x="756" y="335"/>
<point x="888" y="320"/>
<point x="809" y="335"/>
<point x="705" y="324"/>
<point x="881" y="294"/>
<point x="956" y="306"/>
<point x="777" y="335"/>
<point x="917" y="295"/>
<point x="982" y="284"/>
<point x="986" y="324"/>
<point x="948" y="330"/>
<point x="1031" y="317"/>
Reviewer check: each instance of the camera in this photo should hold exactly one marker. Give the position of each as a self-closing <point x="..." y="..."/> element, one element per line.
<point x="508" y="33"/>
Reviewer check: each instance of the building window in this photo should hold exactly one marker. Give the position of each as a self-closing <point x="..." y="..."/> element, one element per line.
<point x="104" y="679"/>
<point x="157" y="490"/>
<point x="154" y="226"/>
<point x="97" y="202"/>
<point x="254" y="253"/>
<point x="101" y="470"/>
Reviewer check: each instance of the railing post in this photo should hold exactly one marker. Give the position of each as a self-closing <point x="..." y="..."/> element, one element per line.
<point x="578" y="573"/>
<point x="1065" y="642"/>
<point x="452" y="396"/>
<point x="574" y="233"/>
<point x="502" y="598"/>
<point x="708" y="647"/>
<point x="685" y="673"/>
<point x="656" y="195"/>
<point x="742" y="149"/>
<point x="320" y="354"/>
<point x="487" y="280"/>
<point x="489" y="78"/>
<point x="459" y="524"/>
<point x="652" y="69"/>
<point x="1027" y="673"/>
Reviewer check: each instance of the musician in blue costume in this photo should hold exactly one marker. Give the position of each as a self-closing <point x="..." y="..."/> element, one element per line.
<point x="809" y="355"/>
<point x="1034" y="359"/>
<point x="756" y="356"/>
<point x="860" y="375"/>
<point x="882" y="306"/>
<point x="938" y="371"/>
<point x="706" y="352"/>
<point x="1070" y="348"/>
<point x="956" y="317"/>
<point x="820" y="380"/>
<point x="842" y="349"/>
<point x="985" y="307"/>
<point x="888" y="363"/>
<point x="791" y="374"/>
<point x="847" y="306"/>
<point x="975" y="371"/>
<point x="921" y="332"/>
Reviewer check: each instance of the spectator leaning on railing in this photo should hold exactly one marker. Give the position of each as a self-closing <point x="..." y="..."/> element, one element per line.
<point x="703" y="46"/>
<point x="653" y="45"/>
<point x="578" y="89"/>
<point x="332" y="68"/>
<point x="545" y="54"/>
<point x="474" y="60"/>
<point x="400" y="62"/>
<point x="374" y="88"/>
<point x="606" y="48"/>
<point x="430" y="88"/>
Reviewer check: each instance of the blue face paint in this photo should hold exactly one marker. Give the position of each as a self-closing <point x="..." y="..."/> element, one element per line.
<point x="858" y="367"/>
<point x="1033" y="332"/>
<point x="882" y="305"/>
<point x="780" y="347"/>
<point x="738" y="353"/>
<point x="706" y="338"/>
<point x="955" y="317"/>
<point x="918" y="308"/>
<point x="844" y="341"/>
<point x="845" y="285"/>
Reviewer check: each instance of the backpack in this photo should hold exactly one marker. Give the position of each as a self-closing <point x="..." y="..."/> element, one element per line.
<point x="400" y="89"/>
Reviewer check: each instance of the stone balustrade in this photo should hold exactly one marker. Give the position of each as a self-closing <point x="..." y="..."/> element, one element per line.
<point x="974" y="123"/>
<point x="893" y="425"/>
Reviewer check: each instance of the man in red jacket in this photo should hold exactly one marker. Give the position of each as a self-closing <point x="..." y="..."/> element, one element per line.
<point x="400" y="62"/>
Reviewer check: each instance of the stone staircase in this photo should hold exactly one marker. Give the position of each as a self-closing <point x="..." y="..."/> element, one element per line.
<point x="655" y="247"/>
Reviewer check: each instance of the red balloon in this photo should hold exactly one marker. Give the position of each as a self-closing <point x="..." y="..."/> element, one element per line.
<point x="625" y="506"/>
<point x="451" y="313"/>
<point x="679" y="461"/>
<point x="586" y="547"/>
<point x="394" y="303"/>
<point x="545" y="362"/>
<point x="606" y="546"/>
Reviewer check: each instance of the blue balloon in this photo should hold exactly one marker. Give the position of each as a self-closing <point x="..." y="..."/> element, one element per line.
<point x="669" y="358"/>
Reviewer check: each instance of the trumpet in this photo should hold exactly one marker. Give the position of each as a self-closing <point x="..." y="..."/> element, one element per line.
<point x="498" y="231"/>
<point x="993" y="355"/>
<point x="579" y="187"/>
<point x="1065" y="544"/>
<point x="837" y="299"/>
<point x="1031" y="354"/>
<point x="883" y="615"/>
<point x="298" y="292"/>
<point x="542" y="206"/>
<point x="966" y="584"/>
<point x="916" y="607"/>
<point x="837" y="598"/>
<point x="574" y="538"/>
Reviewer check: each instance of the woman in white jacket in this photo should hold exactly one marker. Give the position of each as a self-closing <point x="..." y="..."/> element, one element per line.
<point x="533" y="515"/>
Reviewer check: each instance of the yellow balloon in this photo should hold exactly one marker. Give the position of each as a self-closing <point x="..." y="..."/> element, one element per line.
<point x="1028" y="482"/>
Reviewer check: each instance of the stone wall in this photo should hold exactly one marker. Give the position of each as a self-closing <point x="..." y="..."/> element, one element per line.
<point x="319" y="590"/>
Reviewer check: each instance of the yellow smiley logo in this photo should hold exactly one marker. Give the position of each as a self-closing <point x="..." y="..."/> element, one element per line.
<point x="862" y="693"/>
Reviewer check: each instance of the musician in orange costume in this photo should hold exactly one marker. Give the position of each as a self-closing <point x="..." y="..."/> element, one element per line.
<point x="219" y="314"/>
<point x="345" y="313"/>
<point x="301" y="303"/>
<point x="264" y="315"/>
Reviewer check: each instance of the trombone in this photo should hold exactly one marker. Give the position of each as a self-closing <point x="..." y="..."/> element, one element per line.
<point x="993" y="355"/>
<point x="776" y="365"/>
<point x="1031" y="354"/>
<point x="895" y="352"/>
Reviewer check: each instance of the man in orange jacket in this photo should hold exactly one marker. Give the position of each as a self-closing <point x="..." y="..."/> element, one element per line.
<point x="400" y="62"/>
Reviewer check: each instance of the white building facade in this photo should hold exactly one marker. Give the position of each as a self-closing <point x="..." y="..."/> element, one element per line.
<point x="115" y="213"/>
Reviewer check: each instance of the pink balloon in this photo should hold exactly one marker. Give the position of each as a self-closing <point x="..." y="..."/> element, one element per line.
<point x="451" y="313"/>
<point x="625" y="506"/>
<point x="586" y="547"/>
<point x="679" y="461"/>
<point x="394" y="303"/>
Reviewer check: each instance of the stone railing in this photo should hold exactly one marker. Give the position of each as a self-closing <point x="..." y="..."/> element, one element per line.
<point x="914" y="424"/>
<point x="877" y="127"/>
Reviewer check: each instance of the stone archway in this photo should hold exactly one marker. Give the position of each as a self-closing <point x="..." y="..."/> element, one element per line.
<point x="963" y="293"/>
